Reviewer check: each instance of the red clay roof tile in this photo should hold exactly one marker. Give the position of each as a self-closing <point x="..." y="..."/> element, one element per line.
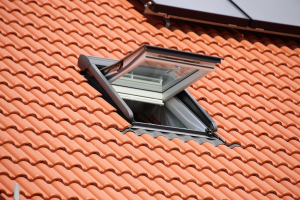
<point x="58" y="135"/>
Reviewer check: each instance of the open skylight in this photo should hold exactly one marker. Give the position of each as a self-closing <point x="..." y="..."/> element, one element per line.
<point x="148" y="88"/>
<point x="154" y="75"/>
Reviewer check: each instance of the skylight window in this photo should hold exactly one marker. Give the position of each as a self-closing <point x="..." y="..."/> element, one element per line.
<point x="154" y="74"/>
<point x="148" y="87"/>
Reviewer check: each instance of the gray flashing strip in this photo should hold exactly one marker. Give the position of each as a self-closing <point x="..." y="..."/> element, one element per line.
<point x="234" y="145"/>
<point x="155" y="133"/>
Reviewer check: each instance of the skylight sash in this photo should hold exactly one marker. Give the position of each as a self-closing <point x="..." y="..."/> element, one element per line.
<point x="156" y="74"/>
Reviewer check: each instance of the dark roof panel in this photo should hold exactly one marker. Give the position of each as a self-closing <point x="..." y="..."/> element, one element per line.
<point x="217" y="11"/>
<point x="273" y="15"/>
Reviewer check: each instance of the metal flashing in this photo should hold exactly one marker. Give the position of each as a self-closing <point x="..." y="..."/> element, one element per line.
<point x="234" y="145"/>
<point x="156" y="133"/>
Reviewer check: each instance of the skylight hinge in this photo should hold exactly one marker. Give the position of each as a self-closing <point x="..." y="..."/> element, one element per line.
<point x="211" y="132"/>
<point x="208" y="131"/>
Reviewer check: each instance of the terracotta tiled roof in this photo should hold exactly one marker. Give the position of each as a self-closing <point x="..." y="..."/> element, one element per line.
<point x="59" y="137"/>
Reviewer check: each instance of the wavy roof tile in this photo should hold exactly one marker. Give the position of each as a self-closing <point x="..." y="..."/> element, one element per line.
<point x="60" y="139"/>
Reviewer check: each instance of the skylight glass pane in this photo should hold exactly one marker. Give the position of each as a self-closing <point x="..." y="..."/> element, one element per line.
<point x="154" y="76"/>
